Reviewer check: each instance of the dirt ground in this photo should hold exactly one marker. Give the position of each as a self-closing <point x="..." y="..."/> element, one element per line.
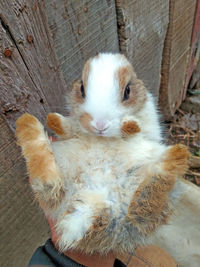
<point x="185" y="129"/>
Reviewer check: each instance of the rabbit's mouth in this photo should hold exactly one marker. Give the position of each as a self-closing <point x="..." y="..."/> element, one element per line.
<point x="101" y="132"/>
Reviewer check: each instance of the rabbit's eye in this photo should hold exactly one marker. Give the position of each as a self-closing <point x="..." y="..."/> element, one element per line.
<point x="126" y="93"/>
<point x="82" y="90"/>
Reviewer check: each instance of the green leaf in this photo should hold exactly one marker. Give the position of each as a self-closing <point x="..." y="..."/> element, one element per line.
<point x="198" y="152"/>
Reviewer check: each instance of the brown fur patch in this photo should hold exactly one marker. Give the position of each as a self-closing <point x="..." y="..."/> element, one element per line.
<point x="22" y="132"/>
<point x="41" y="165"/>
<point x="67" y="212"/>
<point x="85" y="120"/>
<point x="41" y="162"/>
<point x="76" y="95"/>
<point x="54" y="123"/>
<point x="130" y="127"/>
<point x="124" y="75"/>
<point x="176" y="160"/>
<point x="149" y="206"/>
<point x="100" y="222"/>
<point x="40" y="159"/>
<point x="49" y="197"/>
<point x="137" y="96"/>
<point x="95" y="241"/>
<point x="96" y="238"/>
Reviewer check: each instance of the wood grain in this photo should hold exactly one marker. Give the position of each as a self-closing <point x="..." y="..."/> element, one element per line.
<point x="175" y="55"/>
<point x="22" y="223"/>
<point x="81" y="29"/>
<point x="193" y="71"/>
<point x="142" y="28"/>
<point x="31" y="80"/>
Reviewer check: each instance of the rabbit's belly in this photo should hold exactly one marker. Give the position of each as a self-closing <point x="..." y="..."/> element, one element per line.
<point x="102" y="172"/>
<point x="99" y="184"/>
<point x="96" y="203"/>
<point x="96" y="206"/>
<point x="98" y="168"/>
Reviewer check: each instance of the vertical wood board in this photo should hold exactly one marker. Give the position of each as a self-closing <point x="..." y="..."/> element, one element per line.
<point x="142" y="28"/>
<point x="30" y="81"/>
<point x="81" y="29"/>
<point x="175" y="55"/>
<point x="30" y="77"/>
<point x="193" y="71"/>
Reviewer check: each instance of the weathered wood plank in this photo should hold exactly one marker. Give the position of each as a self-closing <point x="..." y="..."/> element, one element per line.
<point x="18" y="93"/>
<point x="80" y="30"/>
<point x="193" y="71"/>
<point x="175" y="55"/>
<point x="22" y="224"/>
<point x="31" y="80"/>
<point x="142" y="28"/>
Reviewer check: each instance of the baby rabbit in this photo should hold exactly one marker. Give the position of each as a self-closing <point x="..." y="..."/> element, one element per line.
<point x="110" y="182"/>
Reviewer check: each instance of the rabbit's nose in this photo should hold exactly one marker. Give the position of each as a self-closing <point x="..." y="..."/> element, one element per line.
<point x="101" y="125"/>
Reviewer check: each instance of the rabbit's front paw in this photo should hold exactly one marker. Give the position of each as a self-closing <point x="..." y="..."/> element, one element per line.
<point x="59" y="124"/>
<point x="54" y="123"/>
<point x="28" y="128"/>
<point x="129" y="126"/>
<point x="176" y="159"/>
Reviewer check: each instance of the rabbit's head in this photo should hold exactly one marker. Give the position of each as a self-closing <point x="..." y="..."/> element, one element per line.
<point x="108" y="92"/>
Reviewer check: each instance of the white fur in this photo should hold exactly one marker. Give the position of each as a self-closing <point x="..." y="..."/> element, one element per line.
<point x="103" y="101"/>
<point x="149" y="119"/>
<point x="102" y="98"/>
<point x="76" y="223"/>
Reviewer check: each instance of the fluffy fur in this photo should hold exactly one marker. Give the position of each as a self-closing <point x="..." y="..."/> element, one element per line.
<point x="181" y="236"/>
<point x="109" y="182"/>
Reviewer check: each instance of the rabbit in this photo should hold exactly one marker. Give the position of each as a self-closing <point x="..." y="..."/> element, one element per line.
<point x="110" y="182"/>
